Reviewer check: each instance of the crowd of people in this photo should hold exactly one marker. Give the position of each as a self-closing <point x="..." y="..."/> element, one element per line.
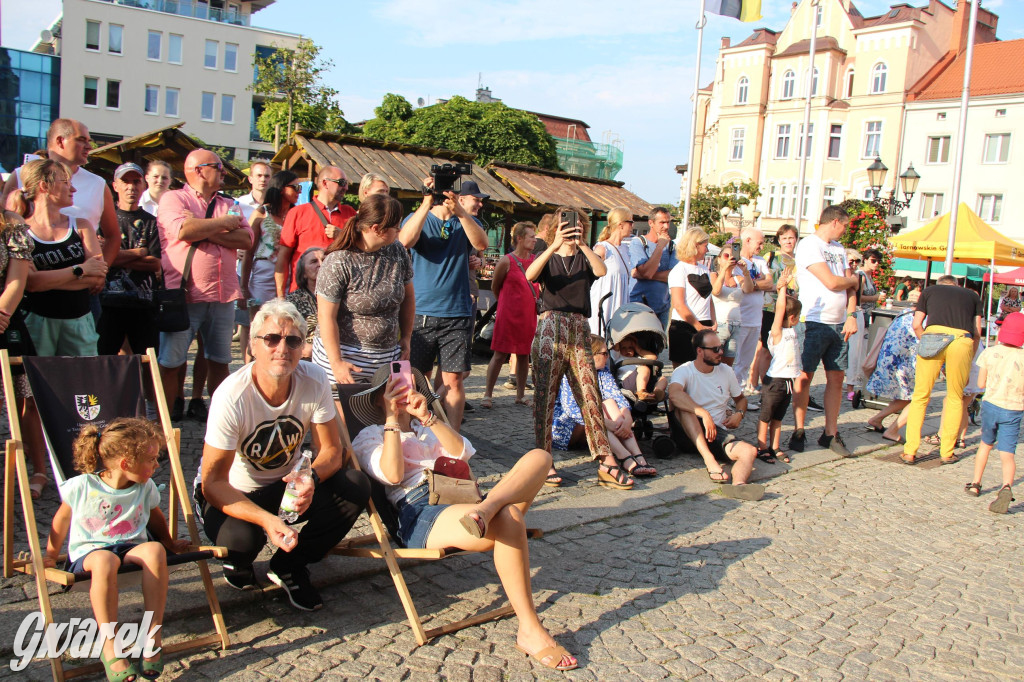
<point x="320" y="294"/>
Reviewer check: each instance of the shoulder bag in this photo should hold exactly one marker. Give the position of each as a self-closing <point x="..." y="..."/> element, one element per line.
<point x="172" y="304"/>
<point x="536" y="299"/>
<point x="452" y="482"/>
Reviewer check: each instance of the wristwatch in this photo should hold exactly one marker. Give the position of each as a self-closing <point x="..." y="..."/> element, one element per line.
<point x="316" y="479"/>
<point x="77" y="271"/>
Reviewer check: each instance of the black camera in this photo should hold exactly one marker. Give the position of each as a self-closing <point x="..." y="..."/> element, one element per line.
<point x="448" y="178"/>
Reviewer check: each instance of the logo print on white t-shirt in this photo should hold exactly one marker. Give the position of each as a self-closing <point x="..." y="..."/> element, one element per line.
<point x="272" y="443"/>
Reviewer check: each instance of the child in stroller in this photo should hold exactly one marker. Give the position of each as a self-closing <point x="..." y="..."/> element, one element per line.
<point x="636" y="337"/>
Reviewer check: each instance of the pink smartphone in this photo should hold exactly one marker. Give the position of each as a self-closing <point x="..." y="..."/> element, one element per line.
<point x="401" y="370"/>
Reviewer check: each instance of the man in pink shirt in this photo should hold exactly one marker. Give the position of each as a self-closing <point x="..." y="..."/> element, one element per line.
<point x="305" y="225"/>
<point x="213" y="284"/>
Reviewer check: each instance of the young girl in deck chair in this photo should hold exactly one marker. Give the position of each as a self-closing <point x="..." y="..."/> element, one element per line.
<point x="109" y="508"/>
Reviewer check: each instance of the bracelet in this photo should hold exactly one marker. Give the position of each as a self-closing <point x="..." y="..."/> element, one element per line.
<point x="394" y="428"/>
<point x="430" y="420"/>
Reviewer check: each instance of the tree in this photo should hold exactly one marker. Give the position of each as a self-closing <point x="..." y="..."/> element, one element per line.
<point x="490" y="130"/>
<point x="295" y="79"/>
<point x="707" y="203"/>
<point x="868" y="230"/>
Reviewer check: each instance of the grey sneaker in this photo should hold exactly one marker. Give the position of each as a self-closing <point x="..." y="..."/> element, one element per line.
<point x="298" y="587"/>
<point x="835" y="444"/>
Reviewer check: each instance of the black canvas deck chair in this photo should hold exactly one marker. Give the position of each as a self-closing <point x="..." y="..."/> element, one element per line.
<point x="69" y="393"/>
<point x="380" y="544"/>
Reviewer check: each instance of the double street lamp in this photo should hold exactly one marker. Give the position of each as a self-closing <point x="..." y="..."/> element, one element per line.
<point x="908" y="183"/>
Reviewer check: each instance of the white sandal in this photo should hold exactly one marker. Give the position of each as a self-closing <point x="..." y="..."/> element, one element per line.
<point x="37" y="485"/>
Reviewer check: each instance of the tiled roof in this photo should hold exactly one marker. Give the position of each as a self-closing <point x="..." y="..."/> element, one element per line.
<point x="990" y="74"/>
<point x="760" y="36"/>
<point x="823" y="44"/>
<point x="897" y="14"/>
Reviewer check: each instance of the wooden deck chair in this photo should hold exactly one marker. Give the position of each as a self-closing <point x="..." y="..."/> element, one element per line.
<point x="70" y="392"/>
<point x="378" y="545"/>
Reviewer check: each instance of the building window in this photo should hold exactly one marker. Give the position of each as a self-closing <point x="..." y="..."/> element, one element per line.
<point x="814" y="82"/>
<point x="938" y="149"/>
<point x="152" y="105"/>
<point x="828" y="196"/>
<point x="771" y="200"/>
<point x="1000" y="113"/>
<point x="931" y="205"/>
<point x="206" y="113"/>
<point x="788" y="85"/>
<point x="114" y="34"/>
<point x="835" y="140"/>
<point x="782" y="141"/>
<point x="92" y="35"/>
<point x="872" y="139"/>
<point x="153" y="46"/>
<point x="174" y="49"/>
<point x="736" y="153"/>
<point x="997" y="148"/>
<point x="782" y="202"/>
<point x="230" y="57"/>
<point x="806" y="150"/>
<point x="868" y="194"/>
<point x="989" y="207"/>
<point x="210" y="56"/>
<point x="227" y="108"/>
<point x="807" y="202"/>
<point x="171" y="102"/>
<point x="113" y="94"/>
<point x="941" y="116"/>
<point x="849" y="84"/>
<point x="878" y="75"/>
<point x="741" y="90"/>
<point x="818" y="16"/>
<point x="792" y="205"/>
<point x="202" y="9"/>
<point x="92" y="87"/>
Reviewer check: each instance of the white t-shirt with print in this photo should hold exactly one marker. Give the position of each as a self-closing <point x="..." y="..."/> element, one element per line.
<point x="266" y="439"/>
<point x="820" y="304"/>
<point x="750" y="307"/>
<point x="102" y="515"/>
<point x="677" y="279"/>
<point x="786" y="360"/>
<point x="711" y="391"/>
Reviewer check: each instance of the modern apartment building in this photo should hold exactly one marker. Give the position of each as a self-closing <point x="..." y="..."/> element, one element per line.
<point x="993" y="163"/>
<point x="29" y="94"/>
<point x="131" y="66"/>
<point x="750" y="118"/>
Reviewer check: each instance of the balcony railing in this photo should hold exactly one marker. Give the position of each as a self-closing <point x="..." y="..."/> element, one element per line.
<point x="191" y="8"/>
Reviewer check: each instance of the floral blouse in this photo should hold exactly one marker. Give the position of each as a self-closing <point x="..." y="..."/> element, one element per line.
<point x="15" y="244"/>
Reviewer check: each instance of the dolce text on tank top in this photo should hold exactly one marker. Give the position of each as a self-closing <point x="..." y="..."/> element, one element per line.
<point x="56" y="255"/>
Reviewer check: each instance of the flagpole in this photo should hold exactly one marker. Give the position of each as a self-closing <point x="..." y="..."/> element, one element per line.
<point x="693" y="118"/>
<point x="965" y="97"/>
<point x="805" y="143"/>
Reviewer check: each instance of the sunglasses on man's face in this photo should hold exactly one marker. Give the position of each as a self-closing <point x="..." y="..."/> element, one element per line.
<point x="713" y="349"/>
<point x="218" y="166"/>
<point x="340" y="183"/>
<point x="293" y="341"/>
<point x="855" y="262"/>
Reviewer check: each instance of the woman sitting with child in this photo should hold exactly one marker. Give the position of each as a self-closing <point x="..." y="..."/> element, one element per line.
<point x="568" y="431"/>
<point x="404" y="439"/>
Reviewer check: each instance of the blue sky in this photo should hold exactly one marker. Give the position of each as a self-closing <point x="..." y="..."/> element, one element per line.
<point x="620" y="66"/>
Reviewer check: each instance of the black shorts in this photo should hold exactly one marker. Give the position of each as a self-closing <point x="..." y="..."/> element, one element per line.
<point x="680" y="341"/>
<point x="776" y="395"/>
<point x="447" y="337"/>
<point x="684" y="444"/>
<point x="767" y="319"/>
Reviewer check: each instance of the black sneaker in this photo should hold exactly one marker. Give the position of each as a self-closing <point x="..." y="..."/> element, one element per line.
<point x="298" y="587"/>
<point x="835" y="444"/>
<point x="240" y="579"/>
<point x="812" y="404"/>
<point x="178" y="412"/>
<point x="468" y="408"/>
<point x="798" y="440"/>
<point x="197" y="410"/>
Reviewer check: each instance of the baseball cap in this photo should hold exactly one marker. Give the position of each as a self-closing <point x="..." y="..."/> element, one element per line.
<point x="470" y="188"/>
<point x="126" y="168"/>
<point x="1012" y="331"/>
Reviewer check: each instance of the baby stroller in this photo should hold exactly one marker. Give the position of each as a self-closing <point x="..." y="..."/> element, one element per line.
<point x="638" y="320"/>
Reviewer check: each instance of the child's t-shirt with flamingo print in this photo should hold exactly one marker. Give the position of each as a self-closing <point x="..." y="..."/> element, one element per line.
<point x="101" y="515"/>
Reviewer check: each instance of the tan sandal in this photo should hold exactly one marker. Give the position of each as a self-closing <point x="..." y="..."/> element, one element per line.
<point x="487" y="403"/>
<point x="524" y="401"/>
<point x="554" y="655"/>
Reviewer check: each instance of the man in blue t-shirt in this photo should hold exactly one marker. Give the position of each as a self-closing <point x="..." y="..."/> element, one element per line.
<point x="654" y="256"/>
<point x="439" y="239"/>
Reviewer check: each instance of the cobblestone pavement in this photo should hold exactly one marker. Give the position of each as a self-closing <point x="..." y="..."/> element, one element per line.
<point x="861" y="568"/>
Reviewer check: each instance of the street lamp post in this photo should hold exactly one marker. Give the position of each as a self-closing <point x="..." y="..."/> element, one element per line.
<point x="890" y="205"/>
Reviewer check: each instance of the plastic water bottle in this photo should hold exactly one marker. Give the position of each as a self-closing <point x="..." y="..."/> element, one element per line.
<point x="303" y="471"/>
<point x="235" y="209"/>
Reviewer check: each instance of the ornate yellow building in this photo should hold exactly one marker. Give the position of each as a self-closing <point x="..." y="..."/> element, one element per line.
<point x="750" y="118"/>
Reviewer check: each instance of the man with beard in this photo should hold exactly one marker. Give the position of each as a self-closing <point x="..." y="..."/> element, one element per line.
<point x="699" y="392"/>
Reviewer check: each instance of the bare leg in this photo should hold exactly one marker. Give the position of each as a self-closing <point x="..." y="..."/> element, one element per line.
<point x="833" y="400"/>
<point x="695" y="432"/>
<point x="152" y="557"/>
<point x="1009" y="468"/>
<point x="522" y="370"/>
<point x="964" y="417"/>
<point x="758" y="368"/>
<point x="801" y="395"/>
<point x="893" y="407"/>
<point x="32" y="435"/>
<point x="173" y="379"/>
<point x="218" y="373"/>
<point x="612" y="411"/>
<point x="743" y="456"/>
<point x="493" y="369"/>
<point x="454" y="398"/>
<point x="762" y="435"/>
<point x="981" y="460"/>
<point x="200" y="370"/>
<point x="893" y="432"/>
<point x="103" y="596"/>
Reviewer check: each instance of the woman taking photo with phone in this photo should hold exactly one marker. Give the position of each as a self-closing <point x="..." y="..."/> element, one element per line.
<point x="566" y="270"/>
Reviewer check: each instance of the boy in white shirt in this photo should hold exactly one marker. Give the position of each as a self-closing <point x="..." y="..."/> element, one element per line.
<point x="777" y="389"/>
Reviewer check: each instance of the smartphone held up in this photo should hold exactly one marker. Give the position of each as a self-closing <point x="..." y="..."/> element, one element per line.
<point x="401" y="373"/>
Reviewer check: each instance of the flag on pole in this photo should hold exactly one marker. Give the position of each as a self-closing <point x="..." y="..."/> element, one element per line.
<point x="744" y="10"/>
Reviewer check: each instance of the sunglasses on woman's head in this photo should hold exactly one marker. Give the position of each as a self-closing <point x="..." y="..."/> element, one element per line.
<point x="293" y="341"/>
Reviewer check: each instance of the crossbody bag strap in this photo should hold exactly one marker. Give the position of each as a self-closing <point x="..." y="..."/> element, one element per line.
<point x="186" y="273"/>
<point x="320" y="214"/>
<point x="523" y="270"/>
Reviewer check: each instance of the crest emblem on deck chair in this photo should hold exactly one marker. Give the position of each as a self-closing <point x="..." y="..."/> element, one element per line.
<point x="88" y="406"/>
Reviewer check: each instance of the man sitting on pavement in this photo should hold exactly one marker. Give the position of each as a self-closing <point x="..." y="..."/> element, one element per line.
<point x="699" y="392"/>
<point x="258" y="420"/>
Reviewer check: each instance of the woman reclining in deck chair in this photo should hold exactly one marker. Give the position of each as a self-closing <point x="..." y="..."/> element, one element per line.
<point x="404" y="439"/>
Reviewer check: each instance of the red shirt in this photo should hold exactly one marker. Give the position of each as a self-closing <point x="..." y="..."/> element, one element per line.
<point x="303" y="229"/>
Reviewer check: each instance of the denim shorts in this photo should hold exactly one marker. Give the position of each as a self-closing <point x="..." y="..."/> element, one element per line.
<point x="1000" y="427"/>
<point x="120" y="549"/>
<point x="216" y="323"/>
<point x="728" y="332"/>
<point x="824" y="343"/>
<point x="416" y="517"/>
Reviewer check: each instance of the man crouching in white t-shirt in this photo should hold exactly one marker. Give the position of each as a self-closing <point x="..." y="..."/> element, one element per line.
<point x="699" y="393"/>
<point x="258" y="420"/>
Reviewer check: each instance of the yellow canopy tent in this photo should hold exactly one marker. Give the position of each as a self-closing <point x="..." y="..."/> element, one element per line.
<point x="976" y="242"/>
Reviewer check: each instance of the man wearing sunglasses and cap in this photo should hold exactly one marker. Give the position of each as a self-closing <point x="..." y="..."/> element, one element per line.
<point x="259" y="418"/>
<point x="699" y="392"/>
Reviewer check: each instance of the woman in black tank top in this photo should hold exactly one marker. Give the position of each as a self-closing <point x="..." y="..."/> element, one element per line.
<point x="68" y="263"/>
<point x="565" y="270"/>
